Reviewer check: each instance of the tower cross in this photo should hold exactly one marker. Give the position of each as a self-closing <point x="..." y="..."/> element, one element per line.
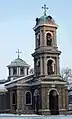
<point x="18" y="52"/>
<point x="45" y="9"/>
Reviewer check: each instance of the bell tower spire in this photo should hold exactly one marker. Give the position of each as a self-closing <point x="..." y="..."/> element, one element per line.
<point x="46" y="55"/>
<point x="53" y="90"/>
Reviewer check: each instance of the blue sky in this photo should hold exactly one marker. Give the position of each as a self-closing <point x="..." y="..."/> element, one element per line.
<point x="17" y="19"/>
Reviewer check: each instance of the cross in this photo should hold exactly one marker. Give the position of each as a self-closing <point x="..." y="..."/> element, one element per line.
<point x="45" y="9"/>
<point x="18" y="52"/>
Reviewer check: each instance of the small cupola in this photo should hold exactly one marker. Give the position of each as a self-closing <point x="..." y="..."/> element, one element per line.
<point x="18" y="68"/>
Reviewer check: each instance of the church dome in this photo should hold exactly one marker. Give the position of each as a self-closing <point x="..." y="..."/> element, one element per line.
<point x="44" y="17"/>
<point x="45" y="20"/>
<point x="18" y="62"/>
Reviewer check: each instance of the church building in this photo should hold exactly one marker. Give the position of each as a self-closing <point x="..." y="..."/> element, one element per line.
<point x="42" y="91"/>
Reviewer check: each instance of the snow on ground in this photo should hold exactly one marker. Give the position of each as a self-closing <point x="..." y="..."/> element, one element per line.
<point x="12" y="116"/>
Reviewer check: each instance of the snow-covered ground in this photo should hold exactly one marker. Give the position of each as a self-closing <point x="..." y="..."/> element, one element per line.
<point x="12" y="116"/>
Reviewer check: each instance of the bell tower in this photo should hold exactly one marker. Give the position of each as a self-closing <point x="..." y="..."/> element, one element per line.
<point x="46" y="55"/>
<point x="52" y="90"/>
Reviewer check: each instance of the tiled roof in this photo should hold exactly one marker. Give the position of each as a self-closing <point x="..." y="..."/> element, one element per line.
<point x="18" y="62"/>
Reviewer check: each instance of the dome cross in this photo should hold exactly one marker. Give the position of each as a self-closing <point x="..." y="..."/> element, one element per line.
<point x="18" y="52"/>
<point x="45" y="9"/>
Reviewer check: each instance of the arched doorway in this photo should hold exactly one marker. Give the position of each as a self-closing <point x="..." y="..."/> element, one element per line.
<point x="53" y="102"/>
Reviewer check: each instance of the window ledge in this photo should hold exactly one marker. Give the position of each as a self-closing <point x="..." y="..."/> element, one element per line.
<point x="28" y="104"/>
<point x="13" y="104"/>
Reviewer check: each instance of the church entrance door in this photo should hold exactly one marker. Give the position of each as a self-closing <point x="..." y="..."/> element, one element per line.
<point x="53" y="102"/>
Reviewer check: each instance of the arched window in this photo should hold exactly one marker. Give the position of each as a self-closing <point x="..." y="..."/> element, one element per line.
<point x="50" y="67"/>
<point x="9" y="71"/>
<point x="22" y="70"/>
<point x="36" y="98"/>
<point x="28" y="97"/>
<point x="49" y="39"/>
<point x="14" y="70"/>
<point x="13" y="98"/>
<point x="38" y="39"/>
<point x="38" y="66"/>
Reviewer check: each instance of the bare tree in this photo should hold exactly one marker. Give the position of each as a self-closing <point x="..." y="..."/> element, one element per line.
<point x="66" y="75"/>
